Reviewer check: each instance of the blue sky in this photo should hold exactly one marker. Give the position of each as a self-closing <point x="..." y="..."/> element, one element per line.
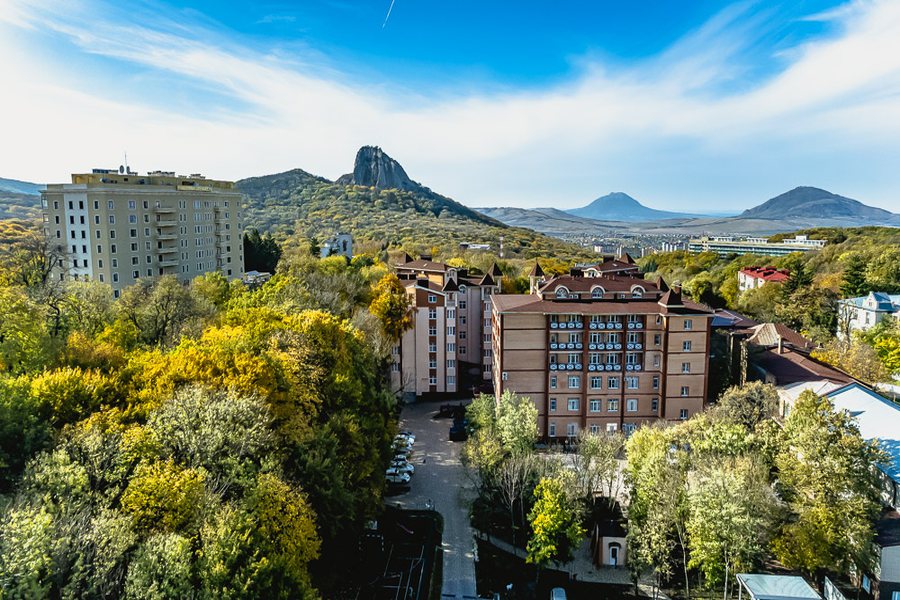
<point x="684" y="105"/>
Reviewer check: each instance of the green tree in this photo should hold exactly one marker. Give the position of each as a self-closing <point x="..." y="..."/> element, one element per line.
<point x="261" y="253"/>
<point x="732" y="508"/>
<point x="392" y="305"/>
<point x="156" y="309"/>
<point x="555" y="524"/>
<point x="748" y="405"/>
<point x="517" y="423"/>
<point x="161" y="568"/>
<point x="832" y="490"/>
<point x="854" y="275"/>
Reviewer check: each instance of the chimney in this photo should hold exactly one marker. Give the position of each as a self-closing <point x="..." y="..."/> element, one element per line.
<point x="780" y="345"/>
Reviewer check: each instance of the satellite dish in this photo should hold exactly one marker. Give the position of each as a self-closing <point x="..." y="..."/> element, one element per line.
<point x="121" y="170"/>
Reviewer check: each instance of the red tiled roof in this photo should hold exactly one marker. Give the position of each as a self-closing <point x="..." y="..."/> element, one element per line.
<point x="767" y="273"/>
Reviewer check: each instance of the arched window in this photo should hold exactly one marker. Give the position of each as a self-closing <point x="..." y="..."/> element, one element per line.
<point x="596" y="292"/>
<point x="562" y="292"/>
<point x="637" y="292"/>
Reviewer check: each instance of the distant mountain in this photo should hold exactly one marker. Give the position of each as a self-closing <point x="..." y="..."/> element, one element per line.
<point x="378" y="202"/>
<point x="14" y="186"/>
<point x="551" y="221"/>
<point x="619" y="206"/>
<point x="815" y="203"/>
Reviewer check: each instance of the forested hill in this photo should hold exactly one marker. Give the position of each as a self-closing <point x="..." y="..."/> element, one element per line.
<point x="296" y="202"/>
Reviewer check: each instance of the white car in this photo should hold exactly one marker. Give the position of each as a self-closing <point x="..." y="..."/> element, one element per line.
<point x="402" y="442"/>
<point x="403" y="466"/>
<point x="395" y="477"/>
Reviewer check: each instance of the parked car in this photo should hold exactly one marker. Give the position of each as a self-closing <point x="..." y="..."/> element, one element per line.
<point x="402" y="444"/>
<point x="403" y="466"/>
<point x="458" y="432"/>
<point x="409" y="435"/>
<point x="396" y="477"/>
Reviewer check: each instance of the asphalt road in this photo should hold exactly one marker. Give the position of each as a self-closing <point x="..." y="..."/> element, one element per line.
<point x="441" y="479"/>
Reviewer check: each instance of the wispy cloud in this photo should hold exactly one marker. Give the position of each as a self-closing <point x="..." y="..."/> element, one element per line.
<point x="670" y="128"/>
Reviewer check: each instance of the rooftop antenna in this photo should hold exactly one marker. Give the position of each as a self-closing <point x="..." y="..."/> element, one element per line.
<point x="127" y="170"/>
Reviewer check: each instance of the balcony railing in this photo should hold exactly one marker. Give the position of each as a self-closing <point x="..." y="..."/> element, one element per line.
<point x="566" y="366"/>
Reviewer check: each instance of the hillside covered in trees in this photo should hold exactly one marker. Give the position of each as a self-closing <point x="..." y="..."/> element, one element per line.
<point x="853" y="263"/>
<point x="409" y="216"/>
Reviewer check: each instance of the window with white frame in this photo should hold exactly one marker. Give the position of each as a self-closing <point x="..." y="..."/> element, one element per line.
<point x="595" y="406"/>
<point x="612" y="405"/>
<point x="656" y="382"/>
<point x="683" y="414"/>
<point x="551" y="430"/>
<point x="573" y="403"/>
<point x="553" y="382"/>
<point x="432" y="347"/>
<point x="595" y="429"/>
<point x="451" y="347"/>
<point x="688" y="324"/>
<point x="685" y="367"/>
<point x="432" y="331"/>
<point x="631" y="405"/>
<point x="685" y="390"/>
<point x="451" y="363"/>
<point x="432" y="313"/>
<point x="451" y="379"/>
<point x="686" y="345"/>
<point x="611" y="427"/>
<point x="654" y="404"/>
<point x="432" y="380"/>
<point x="574" y="382"/>
<point x="596" y="382"/>
<point x="432" y="298"/>
<point x="632" y="382"/>
<point x="552" y="404"/>
<point x="612" y="383"/>
<point x="572" y="429"/>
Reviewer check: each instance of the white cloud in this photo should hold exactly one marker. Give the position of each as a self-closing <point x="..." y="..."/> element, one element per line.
<point x="561" y="146"/>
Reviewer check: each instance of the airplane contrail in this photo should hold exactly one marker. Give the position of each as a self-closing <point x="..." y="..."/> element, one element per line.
<point x="388" y="16"/>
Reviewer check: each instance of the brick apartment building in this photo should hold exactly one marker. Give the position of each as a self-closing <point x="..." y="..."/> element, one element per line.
<point x="448" y="349"/>
<point x="603" y="352"/>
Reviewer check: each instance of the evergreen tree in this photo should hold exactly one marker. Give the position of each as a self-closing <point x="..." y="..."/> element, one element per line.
<point x="854" y="277"/>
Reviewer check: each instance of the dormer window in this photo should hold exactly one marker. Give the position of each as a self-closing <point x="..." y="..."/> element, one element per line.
<point x="637" y="292"/>
<point x="562" y="292"/>
<point x="597" y="293"/>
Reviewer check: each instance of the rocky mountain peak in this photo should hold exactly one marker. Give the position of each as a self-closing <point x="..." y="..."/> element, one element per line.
<point x="374" y="168"/>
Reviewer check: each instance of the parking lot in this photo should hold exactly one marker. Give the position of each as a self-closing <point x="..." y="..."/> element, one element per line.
<point x="440" y="479"/>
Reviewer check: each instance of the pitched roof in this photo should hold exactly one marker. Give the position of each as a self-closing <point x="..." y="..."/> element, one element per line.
<point x="768" y="334"/>
<point x="609" y="283"/>
<point x="662" y="285"/>
<point x="878" y="419"/>
<point x="767" y="273"/>
<point x="536" y="270"/>
<point x="495" y="270"/>
<point x="532" y="303"/>
<point x="626" y="258"/>
<point x="777" y="587"/>
<point x="732" y="319"/>
<point x="423" y="265"/>
<point x="791" y="366"/>
<point x="486" y="280"/>
<point x="671" y="298"/>
<point x="450" y="285"/>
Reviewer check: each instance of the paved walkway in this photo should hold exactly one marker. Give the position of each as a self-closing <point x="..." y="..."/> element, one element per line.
<point x="441" y="479"/>
<point x="582" y="564"/>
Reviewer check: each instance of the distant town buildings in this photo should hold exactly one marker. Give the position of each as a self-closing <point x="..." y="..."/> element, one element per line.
<point x="864" y="312"/>
<point x="117" y="226"/>
<point x="339" y="245"/>
<point x="751" y="278"/>
<point x="725" y="245"/>
<point x="448" y="350"/>
<point x="601" y="350"/>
